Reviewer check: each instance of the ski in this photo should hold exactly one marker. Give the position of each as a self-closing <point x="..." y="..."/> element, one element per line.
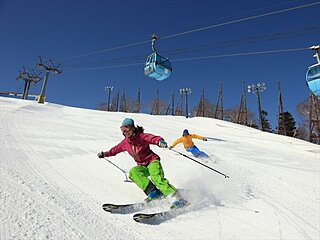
<point x="130" y="207"/>
<point x="158" y="217"/>
<point x="123" y="208"/>
<point x="149" y="217"/>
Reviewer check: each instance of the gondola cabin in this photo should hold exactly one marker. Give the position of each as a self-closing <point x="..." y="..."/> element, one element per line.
<point x="157" y="67"/>
<point x="313" y="79"/>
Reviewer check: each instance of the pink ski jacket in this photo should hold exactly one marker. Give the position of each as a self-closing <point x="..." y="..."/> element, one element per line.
<point x="138" y="147"/>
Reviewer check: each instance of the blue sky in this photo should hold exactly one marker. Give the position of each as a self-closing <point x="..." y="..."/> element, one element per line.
<point x="82" y="36"/>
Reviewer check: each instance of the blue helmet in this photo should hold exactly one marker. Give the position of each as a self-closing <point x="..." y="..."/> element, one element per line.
<point x="185" y="132"/>
<point x="127" y="122"/>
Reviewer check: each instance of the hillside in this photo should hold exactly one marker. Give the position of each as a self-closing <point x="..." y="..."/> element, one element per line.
<point x="53" y="184"/>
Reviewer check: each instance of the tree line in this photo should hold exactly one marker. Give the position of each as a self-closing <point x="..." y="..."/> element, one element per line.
<point x="286" y="125"/>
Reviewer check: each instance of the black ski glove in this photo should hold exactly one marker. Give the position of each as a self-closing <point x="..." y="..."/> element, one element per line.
<point x="162" y="143"/>
<point x="100" y="155"/>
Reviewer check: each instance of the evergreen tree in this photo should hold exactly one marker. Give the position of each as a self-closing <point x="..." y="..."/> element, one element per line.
<point x="265" y="122"/>
<point x="289" y="123"/>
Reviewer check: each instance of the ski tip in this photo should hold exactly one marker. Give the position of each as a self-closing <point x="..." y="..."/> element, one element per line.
<point x="106" y="209"/>
<point x="144" y="217"/>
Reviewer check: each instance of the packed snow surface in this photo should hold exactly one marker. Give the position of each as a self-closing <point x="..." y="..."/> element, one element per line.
<point x="53" y="184"/>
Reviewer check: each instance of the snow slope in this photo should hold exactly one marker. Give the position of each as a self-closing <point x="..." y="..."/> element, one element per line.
<point x="53" y="185"/>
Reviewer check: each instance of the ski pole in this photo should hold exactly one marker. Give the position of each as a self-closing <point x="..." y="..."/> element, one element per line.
<point x="125" y="174"/>
<point x="214" y="139"/>
<point x="226" y="176"/>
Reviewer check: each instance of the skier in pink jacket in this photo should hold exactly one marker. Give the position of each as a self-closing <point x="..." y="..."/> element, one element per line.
<point x="136" y="143"/>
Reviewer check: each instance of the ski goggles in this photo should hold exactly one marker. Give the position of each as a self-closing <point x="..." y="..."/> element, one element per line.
<point x="125" y="129"/>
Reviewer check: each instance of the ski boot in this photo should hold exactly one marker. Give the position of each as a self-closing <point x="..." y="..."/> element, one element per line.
<point x="152" y="193"/>
<point x="177" y="201"/>
<point x="155" y="194"/>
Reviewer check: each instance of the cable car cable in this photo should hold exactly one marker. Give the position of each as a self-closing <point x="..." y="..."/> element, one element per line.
<point x="198" y="58"/>
<point x="194" y="30"/>
<point x="240" y="20"/>
<point x="251" y="39"/>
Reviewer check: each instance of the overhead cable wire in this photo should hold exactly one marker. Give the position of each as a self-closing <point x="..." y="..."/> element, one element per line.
<point x="240" y="20"/>
<point x="194" y="30"/>
<point x="106" y="61"/>
<point x="249" y="11"/>
<point x="197" y="58"/>
<point x="230" y="43"/>
<point x="103" y="67"/>
<point x="251" y="39"/>
<point x="105" y="50"/>
<point x="239" y="54"/>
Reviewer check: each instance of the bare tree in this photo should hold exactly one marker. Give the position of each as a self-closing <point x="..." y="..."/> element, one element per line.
<point x="209" y="109"/>
<point x="127" y="104"/>
<point x="131" y="104"/>
<point x="231" y="115"/>
<point x="156" y="106"/>
<point x="303" y="110"/>
<point x="301" y="131"/>
<point x="102" y="106"/>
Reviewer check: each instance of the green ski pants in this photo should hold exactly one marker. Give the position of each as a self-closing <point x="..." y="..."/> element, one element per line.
<point x="140" y="176"/>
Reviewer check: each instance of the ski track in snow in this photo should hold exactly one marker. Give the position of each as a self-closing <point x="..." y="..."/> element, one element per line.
<point x="76" y="225"/>
<point x="293" y="218"/>
<point x="39" y="185"/>
<point x="283" y="212"/>
<point x="41" y="198"/>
